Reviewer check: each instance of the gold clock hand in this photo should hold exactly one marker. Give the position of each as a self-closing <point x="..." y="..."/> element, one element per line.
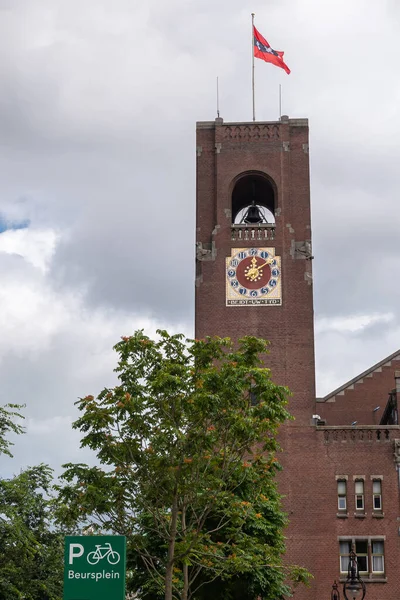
<point x="268" y="262"/>
<point x="254" y="272"/>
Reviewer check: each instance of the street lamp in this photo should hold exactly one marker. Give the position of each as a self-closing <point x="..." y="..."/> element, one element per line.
<point x="353" y="587"/>
<point x="335" y="591"/>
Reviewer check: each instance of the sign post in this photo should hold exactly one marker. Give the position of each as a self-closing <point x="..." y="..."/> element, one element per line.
<point x="95" y="567"/>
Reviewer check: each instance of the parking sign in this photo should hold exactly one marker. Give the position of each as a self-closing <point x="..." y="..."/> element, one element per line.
<point x="95" y="567"/>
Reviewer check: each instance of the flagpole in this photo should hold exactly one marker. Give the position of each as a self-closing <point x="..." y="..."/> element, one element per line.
<point x="252" y="65"/>
<point x="280" y="100"/>
<point x="217" y="99"/>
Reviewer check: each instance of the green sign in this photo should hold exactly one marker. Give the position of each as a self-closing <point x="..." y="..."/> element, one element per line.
<point x="94" y="567"/>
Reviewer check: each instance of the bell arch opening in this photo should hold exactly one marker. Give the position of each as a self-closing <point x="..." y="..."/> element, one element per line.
<point x="253" y="200"/>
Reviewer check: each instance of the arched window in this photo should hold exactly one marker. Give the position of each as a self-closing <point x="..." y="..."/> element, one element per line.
<point x="253" y="200"/>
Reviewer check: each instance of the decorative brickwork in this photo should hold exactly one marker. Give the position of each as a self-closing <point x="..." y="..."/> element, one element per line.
<point x="246" y="133"/>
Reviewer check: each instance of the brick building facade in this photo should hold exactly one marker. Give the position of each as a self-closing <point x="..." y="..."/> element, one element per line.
<point x="254" y="277"/>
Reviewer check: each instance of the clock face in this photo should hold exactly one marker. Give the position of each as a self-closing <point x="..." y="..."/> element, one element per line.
<point x="253" y="277"/>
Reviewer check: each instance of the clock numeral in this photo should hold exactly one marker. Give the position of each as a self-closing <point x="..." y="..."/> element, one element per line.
<point x="264" y="254"/>
<point x="253" y="252"/>
<point x="243" y="291"/>
<point x="235" y="283"/>
<point x="253" y="293"/>
<point x="234" y="262"/>
<point x="242" y="255"/>
<point x="264" y="290"/>
<point x="231" y="273"/>
<point x="272" y="282"/>
<point x="275" y="272"/>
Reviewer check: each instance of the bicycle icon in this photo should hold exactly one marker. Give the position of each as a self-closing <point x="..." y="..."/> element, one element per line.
<point x="103" y="552"/>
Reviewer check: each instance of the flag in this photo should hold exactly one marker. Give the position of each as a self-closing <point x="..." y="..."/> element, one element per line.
<point x="264" y="51"/>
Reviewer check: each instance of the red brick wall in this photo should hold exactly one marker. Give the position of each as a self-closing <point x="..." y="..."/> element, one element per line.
<point x="357" y="402"/>
<point x="314" y="521"/>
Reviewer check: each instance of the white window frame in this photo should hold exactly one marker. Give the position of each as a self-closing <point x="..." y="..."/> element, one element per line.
<point x="376" y="495"/>
<point x="358" y="495"/>
<point x="347" y="555"/>
<point x="370" y="555"/>
<point x="342" y="496"/>
<point x="352" y="544"/>
<point x="377" y="555"/>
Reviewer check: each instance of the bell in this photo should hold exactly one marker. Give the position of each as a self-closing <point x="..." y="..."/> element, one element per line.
<point x="253" y="215"/>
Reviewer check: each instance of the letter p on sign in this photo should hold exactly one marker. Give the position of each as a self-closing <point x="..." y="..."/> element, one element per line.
<point x="75" y="551"/>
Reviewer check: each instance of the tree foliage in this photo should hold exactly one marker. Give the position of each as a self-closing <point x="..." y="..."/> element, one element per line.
<point x="8" y="414"/>
<point x="186" y="443"/>
<point x="31" y="550"/>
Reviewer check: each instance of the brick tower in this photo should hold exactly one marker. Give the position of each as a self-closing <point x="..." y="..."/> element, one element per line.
<point x="254" y="277"/>
<point x="261" y="168"/>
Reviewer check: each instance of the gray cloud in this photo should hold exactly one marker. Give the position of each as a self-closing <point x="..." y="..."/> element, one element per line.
<point x="97" y="114"/>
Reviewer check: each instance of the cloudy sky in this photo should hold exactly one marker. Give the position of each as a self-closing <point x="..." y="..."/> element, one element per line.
<point x="98" y="105"/>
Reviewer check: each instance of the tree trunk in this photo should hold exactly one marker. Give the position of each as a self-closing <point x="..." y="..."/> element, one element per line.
<point x="171" y="549"/>
<point x="185" y="590"/>
<point x="185" y="568"/>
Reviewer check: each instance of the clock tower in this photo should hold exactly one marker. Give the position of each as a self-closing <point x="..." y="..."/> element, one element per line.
<point x="254" y="277"/>
<point x="253" y="245"/>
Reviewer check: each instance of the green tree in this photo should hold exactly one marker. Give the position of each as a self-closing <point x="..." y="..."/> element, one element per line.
<point x="8" y="414"/>
<point x="31" y="551"/>
<point x="187" y="467"/>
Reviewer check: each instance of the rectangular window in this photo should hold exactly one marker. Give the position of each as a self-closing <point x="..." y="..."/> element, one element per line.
<point x="341" y="491"/>
<point x="378" y="563"/>
<point x="370" y="556"/>
<point x="344" y="550"/>
<point x="362" y="555"/>
<point x="377" y="494"/>
<point x="359" y="489"/>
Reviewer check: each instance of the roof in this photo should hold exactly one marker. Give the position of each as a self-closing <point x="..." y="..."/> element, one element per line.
<point x="386" y="362"/>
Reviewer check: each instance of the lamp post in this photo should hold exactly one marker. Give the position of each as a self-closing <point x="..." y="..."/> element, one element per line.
<point x="353" y="587"/>
<point x="335" y="591"/>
